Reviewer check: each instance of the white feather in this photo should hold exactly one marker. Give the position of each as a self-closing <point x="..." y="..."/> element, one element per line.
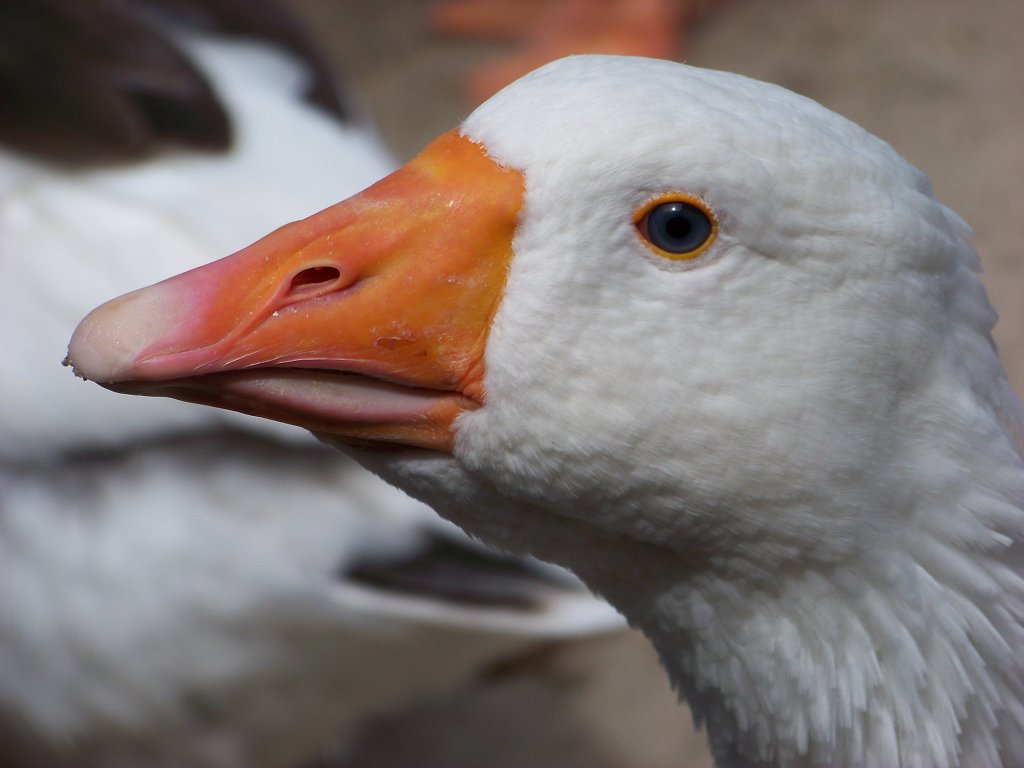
<point x="796" y="462"/>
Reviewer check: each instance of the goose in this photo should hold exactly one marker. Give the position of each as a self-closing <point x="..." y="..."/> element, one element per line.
<point x="707" y="344"/>
<point x="159" y="606"/>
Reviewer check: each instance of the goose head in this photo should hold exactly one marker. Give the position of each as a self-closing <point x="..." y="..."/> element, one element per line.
<point x="715" y="348"/>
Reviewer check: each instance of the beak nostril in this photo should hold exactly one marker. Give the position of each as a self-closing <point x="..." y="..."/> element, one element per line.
<point x="313" y="279"/>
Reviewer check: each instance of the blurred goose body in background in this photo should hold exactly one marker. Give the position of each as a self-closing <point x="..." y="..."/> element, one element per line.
<point x="178" y="588"/>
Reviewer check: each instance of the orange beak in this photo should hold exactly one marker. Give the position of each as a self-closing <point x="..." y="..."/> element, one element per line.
<point x="367" y="320"/>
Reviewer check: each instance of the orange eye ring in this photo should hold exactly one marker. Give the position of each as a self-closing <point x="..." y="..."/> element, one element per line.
<point x="676" y="226"/>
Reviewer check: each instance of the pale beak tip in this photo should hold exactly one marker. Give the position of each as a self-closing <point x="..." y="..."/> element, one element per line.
<point x="66" y="362"/>
<point x="98" y="350"/>
<point x="107" y="344"/>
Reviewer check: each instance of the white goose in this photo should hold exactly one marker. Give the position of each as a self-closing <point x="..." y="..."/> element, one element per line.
<point x="158" y="604"/>
<point x="713" y="347"/>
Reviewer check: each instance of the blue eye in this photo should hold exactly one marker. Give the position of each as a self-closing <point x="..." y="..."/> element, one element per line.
<point x="678" y="228"/>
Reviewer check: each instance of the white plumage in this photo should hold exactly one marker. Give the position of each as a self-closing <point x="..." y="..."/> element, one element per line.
<point x="792" y="458"/>
<point x="806" y="438"/>
<point x="174" y="583"/>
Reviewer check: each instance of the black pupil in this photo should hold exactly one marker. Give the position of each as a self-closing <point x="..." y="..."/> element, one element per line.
<point x="677" y="227"/>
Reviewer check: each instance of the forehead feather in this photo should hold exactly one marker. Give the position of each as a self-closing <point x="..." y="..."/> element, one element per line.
<point x="623" y="109"/>
<point x="759" y="153"/>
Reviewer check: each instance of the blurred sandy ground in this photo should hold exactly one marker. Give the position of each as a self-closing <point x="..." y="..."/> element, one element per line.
<point x="941" y="80"/>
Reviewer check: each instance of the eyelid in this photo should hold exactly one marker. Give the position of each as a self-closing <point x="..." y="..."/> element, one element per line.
<point x="640" y="222"/>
